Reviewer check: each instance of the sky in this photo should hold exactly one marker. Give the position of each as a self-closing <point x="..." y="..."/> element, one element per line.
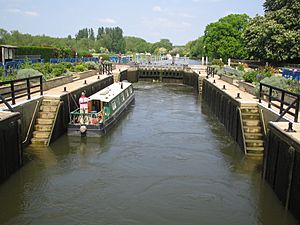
<point x="179" y="21"/>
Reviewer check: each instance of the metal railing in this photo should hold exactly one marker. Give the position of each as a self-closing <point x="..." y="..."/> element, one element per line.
<point x="211" y="71"/>
<point x="287" y="102"/>
<point x="20" y="88"/>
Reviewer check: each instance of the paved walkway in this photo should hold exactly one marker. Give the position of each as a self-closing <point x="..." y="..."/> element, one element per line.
<point x="59" y="91"/>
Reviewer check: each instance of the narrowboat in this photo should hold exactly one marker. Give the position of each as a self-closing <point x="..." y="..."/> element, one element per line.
<point x="103" y="110"/>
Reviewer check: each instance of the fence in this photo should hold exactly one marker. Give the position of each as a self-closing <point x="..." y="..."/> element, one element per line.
<point x="287" y="102"/>
<point x="291" y="74"/>
<point x="73" y="60"/>
<point x="21" y="88"/>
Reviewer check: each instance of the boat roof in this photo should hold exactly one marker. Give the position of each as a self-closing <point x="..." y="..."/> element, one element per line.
<point x="108" y="93"/>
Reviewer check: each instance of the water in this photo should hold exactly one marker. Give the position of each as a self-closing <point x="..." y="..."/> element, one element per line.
<point x="167" y="162"/>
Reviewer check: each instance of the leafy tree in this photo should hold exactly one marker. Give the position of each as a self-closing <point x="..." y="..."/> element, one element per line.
<point x="135" y="44"/>
<point x="222" y="39"/>
<point x="195" y="48"/>
<point x="91" y="34"/>
<point x="276" y="35"/>
<point x="163" y="43"/>
<point x="100" y="32"/>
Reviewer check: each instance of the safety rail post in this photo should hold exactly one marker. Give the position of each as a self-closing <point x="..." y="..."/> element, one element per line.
<point x="270" y="97"/>
<point x="28" y="88"/>
<point x="41" y="85"/>
<point x="282" y="101"/>
<point x="260" y="92"/>
<point x="12" y="89"/>
<point x="297" y="110"/>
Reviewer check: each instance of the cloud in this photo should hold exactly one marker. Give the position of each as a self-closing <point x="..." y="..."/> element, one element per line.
<point x="185" y="15"/>
<point x="22" y="13"/>
<point x="157" y="8"/>
<point x="106" y="20"/>
<point x="30" y="13"/>
<point x="158" y="23"/>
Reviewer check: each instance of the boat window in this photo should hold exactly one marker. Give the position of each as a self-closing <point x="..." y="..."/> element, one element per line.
<point x="96" y="105"/>
<point x="130" y="90"/>
<point x="113" y="105"/>
<point x="122" y="97"/>
<point x="126" y="93"/>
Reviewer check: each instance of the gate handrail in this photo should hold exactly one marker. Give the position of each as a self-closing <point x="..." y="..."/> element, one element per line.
<point x="12" y="94"/>
<point x="282" y="110"/>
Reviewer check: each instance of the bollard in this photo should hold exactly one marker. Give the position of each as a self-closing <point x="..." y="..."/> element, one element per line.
<point x="214" y="81"/>
<point x="98" y="77"/>
<point x="224" y="88"/>
<point x="290" y="128"/>
<point x="65" y="89"/>
<point x="238" y="96"/>
<point x="85" y="82"/>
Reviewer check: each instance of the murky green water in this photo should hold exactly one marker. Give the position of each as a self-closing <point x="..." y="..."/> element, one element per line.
<point x="168" y="162"/>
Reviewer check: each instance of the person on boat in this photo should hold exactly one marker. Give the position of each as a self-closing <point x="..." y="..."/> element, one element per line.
<point x="100" y="118"/>
<point x="100" y="65"/>
<point x="83" y="103"/>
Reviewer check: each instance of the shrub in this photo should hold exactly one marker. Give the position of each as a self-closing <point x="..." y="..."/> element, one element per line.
<point x="92" y="65"/>
<point x="250" y="76"/>
<point x="240" y="67"/>
<point x="25" y="73"/>
<point x="104" y="57"/>
<point x="1" y="71"/>
<point x="276" y="81"/>
<point x="58" y="69"/>
<point x="80" y="68"/>
<point x="217" y="62"/>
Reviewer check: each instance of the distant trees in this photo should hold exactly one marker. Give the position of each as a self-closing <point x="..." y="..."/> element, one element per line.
<point x="135" y="44"/>
<point x="163" y="43"/>
<point x="276" y="35"/>
<point x="196" y="48"/>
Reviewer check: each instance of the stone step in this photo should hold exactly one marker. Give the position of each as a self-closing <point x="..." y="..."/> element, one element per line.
<point x="41" y="121"/>
<point x="48" y="108"/>
<point x="41" y="134"/>
<point x="249" y="110"/>
<point x="251" y="123"/>
<point x="42" y="127"/>
<point x="49" y="97"/>
<point x="254" y="143"/>
<point x="255" y="155"/>
<point x="252" y="129"/>
<point x="47" y="115"/>
<point x="250" y="116"/>
<point x="255" y="151"/>
<point x="39" y="141"/>
<point x="50" y="102"/>
<point x="253" y="135"/>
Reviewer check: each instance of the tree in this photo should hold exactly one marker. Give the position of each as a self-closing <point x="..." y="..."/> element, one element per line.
<point x="276" y="35"/>
<point x="100" y="33"/>
<point x="163" y="43"/>
<point x="222" y="39"/>
<point x="91" y="35"/>
<point x="136" y="45"/>
<point x="195" y="48"/>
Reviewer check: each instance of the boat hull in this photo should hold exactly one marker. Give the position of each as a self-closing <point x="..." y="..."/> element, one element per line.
<point x="99" y="130"/>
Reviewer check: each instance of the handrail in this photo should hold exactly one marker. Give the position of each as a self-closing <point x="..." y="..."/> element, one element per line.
<point x="243" y="132"/>
<point x="262" y="118"/>
<point x="6" y="103"/>
<point x="28" y="87"/>
<point x="282" y="110"/>
<point x="54" y="122"/>
<point x="31" y="122"/>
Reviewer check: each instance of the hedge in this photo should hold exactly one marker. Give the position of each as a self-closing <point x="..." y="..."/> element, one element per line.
<point x="46" y="52"/>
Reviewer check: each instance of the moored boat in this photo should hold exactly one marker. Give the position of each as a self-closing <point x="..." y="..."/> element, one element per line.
<point x="103" y="110"/>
